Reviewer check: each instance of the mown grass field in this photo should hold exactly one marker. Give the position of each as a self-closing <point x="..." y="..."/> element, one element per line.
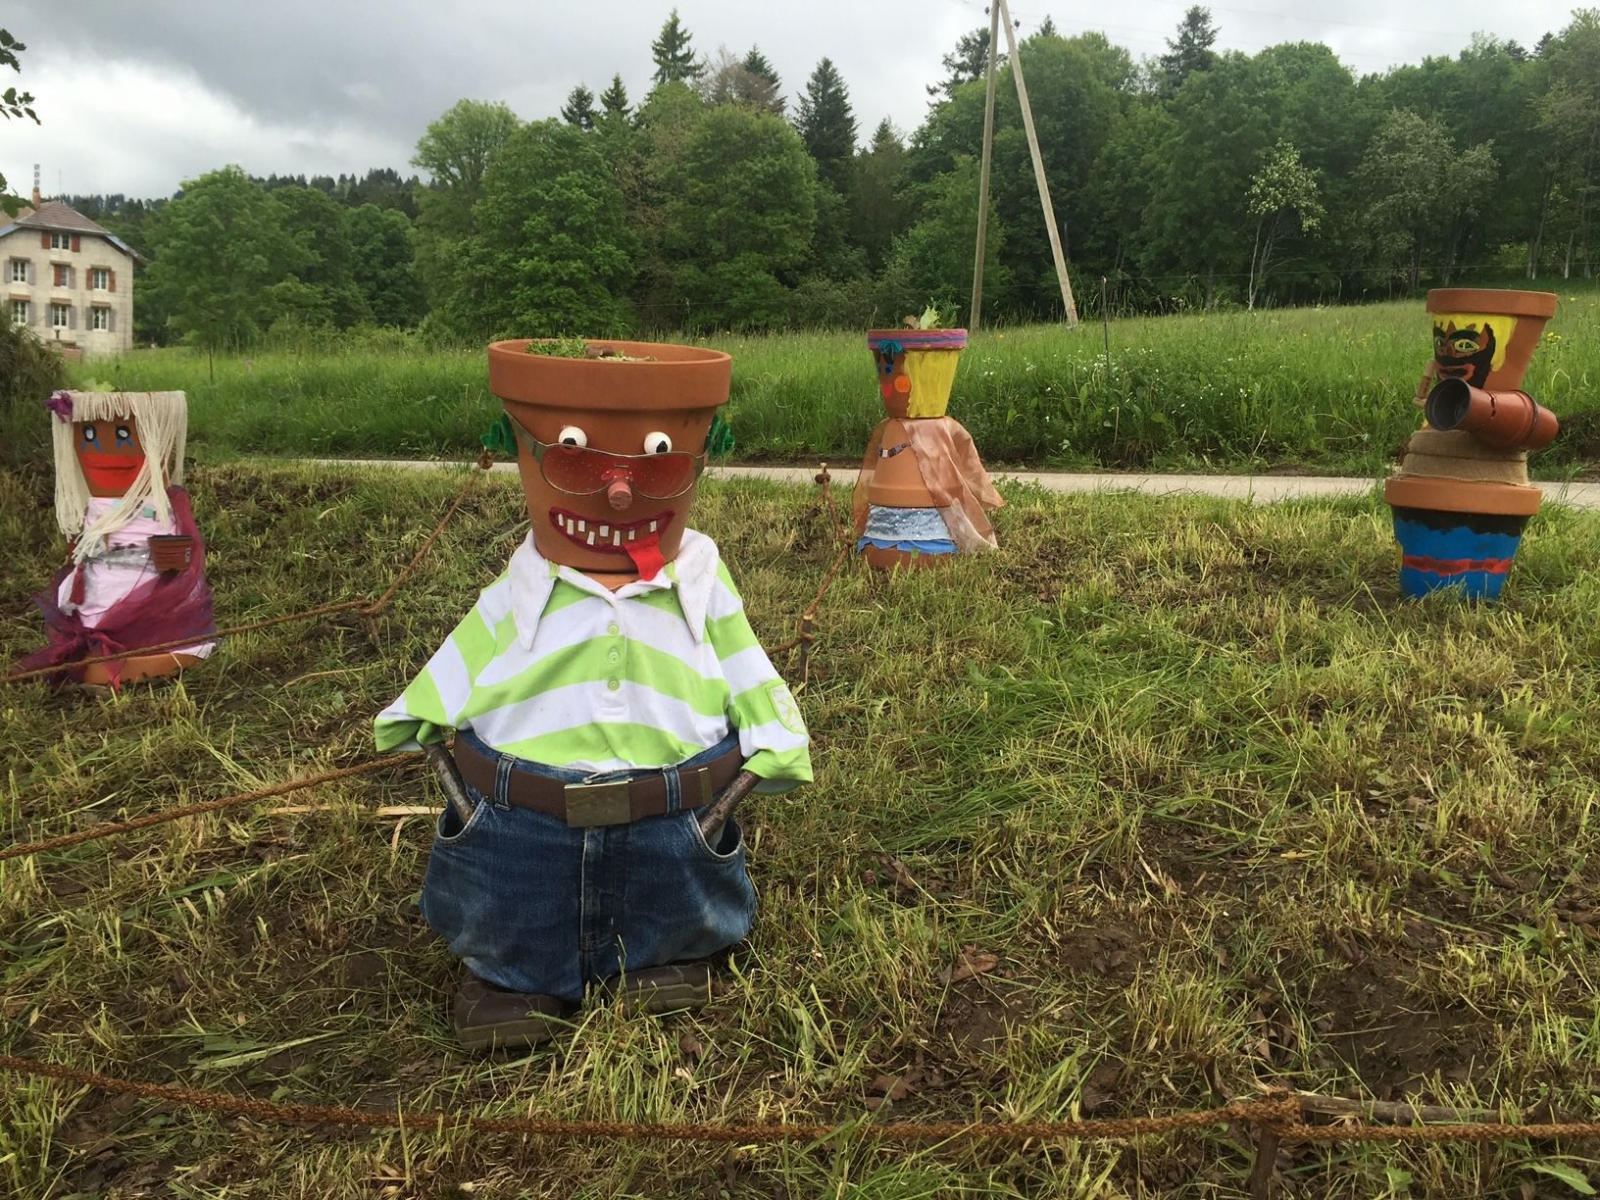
<point x="1319" y="389"/>
<point x="1205" y="805"/>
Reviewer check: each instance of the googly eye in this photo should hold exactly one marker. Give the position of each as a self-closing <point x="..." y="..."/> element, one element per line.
<point x="657" y="443"/>
<point x="124" y="436"/>
<point x="571" y="435"/>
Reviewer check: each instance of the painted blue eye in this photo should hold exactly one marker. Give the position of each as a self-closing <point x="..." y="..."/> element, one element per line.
<point x="124" y="436"/>
<point x="90" y="436"/>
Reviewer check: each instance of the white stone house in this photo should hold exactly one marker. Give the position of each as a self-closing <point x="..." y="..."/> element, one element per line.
<point x="67" y="280"/>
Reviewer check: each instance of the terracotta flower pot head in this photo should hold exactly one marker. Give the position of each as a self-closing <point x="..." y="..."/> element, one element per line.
<point x="610" y="449"/>
<point x="1485" y="336"/>
<point x="916" y="368"/>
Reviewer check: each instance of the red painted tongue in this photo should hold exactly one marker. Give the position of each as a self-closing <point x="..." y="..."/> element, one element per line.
<point x="646" y="554"/>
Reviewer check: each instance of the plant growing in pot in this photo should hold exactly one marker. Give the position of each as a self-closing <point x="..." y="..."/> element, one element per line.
<point x="1461" y="498"/>
<point x="923" y="493"/>
<point x="135" y="574"/>
<point x="610" y="704"/>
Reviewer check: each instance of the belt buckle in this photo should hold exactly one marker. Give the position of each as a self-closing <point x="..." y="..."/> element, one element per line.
<point x="591" y="804"/>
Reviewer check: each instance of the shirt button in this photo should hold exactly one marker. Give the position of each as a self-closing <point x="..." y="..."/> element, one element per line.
<point x="614" y="684"/>
<point x="612" y="629"/>
<point x="615" y="656"/>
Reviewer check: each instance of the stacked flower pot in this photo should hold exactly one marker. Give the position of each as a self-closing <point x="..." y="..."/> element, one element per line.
<point x="1461" y="498"/>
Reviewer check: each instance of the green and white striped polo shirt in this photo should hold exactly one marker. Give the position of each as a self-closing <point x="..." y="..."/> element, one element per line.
<point x="553" y="667"/>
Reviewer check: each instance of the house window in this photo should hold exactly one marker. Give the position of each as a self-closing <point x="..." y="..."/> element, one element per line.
<point x="60" y="315"/>
<point x="99" y="318"/>
<point x="19" y="312"/>
<point x="100" y="279"/>
<point x="19" y="270"/>
<point x="63" y="274"/>
<point x="61" y="241"/>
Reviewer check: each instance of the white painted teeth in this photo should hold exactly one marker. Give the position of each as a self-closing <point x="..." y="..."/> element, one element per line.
<point x="616" y="538"/>
<point x="582" y="525"/>
<point x="632" y="533"/>
<point x="652" y="526"/>
<point x="591" y="537"/>
<point x="605" y="531"/>
<point x="571" y="525"/>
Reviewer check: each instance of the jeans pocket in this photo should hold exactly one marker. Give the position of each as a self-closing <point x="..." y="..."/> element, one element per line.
<point x="449" y="830"/>
<point x="730" y="840"/>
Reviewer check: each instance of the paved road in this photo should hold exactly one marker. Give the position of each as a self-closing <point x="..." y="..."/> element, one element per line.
<point x="1262" y="488"/>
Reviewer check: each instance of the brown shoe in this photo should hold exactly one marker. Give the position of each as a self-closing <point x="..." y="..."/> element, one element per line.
<point x="671" y="988"/>
<point x="488" y="1016"/>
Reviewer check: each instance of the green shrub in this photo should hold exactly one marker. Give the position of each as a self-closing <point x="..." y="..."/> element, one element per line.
<point x="29" y="372"/>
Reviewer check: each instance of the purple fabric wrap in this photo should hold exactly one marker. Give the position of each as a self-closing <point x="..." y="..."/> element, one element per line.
<point x="168" y="606"/>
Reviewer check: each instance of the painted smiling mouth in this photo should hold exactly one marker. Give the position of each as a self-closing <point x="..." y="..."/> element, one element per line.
<point x="609" y="537"/>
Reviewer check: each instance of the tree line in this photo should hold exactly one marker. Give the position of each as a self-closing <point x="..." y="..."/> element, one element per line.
<point x="719" y="202"/>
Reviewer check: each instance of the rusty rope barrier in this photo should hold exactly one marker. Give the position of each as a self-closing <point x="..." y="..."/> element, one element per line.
<point x="1298" y="1131"/>
<point x="113" y="829"/>
<point x="321" y="611"/>
<point x="803" y="639"/>
<point x="1263" y="1111"/>
<point x="367" y="609"/>
<point x="478" y="471"/>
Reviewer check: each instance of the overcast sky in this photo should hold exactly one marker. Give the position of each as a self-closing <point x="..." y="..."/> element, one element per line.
<point x="137" y="97"/>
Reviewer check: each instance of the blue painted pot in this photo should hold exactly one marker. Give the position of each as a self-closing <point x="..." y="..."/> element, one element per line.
<point x="1471" y="552"/>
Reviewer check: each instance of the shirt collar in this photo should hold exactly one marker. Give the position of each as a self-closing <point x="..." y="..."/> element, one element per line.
<point x="693" y="572"/>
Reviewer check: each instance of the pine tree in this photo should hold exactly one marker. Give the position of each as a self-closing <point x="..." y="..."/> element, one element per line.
<point x="968" y="61"/>
<point x="1190" y="53"/>
<point x="1047" y="27"/>
<point x="826" y="124"/>
<point x="673" y="55"/>
<point x="614" y="100"/>
<point x="579" y="108"/>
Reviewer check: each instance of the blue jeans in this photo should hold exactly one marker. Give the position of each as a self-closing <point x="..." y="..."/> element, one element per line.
<point x="533" y="905"/>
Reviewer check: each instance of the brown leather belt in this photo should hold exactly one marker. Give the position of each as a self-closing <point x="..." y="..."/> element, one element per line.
<point x="582" y="805"/>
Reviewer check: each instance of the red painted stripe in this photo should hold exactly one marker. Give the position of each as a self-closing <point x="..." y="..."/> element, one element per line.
<point x="1456" y="566"/>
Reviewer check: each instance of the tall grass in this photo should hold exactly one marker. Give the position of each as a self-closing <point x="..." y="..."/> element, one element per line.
<point x="1325" y="389"/>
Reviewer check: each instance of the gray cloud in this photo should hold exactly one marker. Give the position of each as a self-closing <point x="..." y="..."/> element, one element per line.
<point x="335" y="85"/>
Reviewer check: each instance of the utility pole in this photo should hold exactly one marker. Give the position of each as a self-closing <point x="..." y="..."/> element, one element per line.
<point x="983" y="174"/>
<point x="999" y="12"/>
<point x="1038" y="169"/>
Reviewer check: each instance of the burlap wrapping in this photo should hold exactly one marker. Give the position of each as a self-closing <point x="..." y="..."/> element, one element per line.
<point x="1457" y="455"/>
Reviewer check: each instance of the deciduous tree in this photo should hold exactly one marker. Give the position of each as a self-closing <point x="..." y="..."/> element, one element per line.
<point x="553" y="253"/>
<point x="219" y="249"/>
<point x="1281" y="192"/>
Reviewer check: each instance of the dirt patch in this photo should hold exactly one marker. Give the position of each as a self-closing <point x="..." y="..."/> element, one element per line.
<point x="1380" y="1033"/>
<point x="1113" y="950"/>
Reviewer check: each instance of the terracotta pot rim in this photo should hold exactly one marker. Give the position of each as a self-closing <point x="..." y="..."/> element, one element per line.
<point x="1438" y="494"/>
<point x="1492" y="302"/>
<point x="678" y="378"/>
<point x="919" y="339"/>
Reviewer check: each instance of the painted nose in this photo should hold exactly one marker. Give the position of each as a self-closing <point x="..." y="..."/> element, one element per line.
<point x="619" y="492"/>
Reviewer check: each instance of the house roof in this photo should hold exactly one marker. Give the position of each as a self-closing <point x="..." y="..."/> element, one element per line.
<point x="60" y="218"/>
<point x="54" y="215"/>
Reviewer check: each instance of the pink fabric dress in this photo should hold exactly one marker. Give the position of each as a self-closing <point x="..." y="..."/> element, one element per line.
<point x="124" y="603"/>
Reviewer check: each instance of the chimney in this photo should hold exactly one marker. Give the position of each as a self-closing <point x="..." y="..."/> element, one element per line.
<point x="37" y="199"/>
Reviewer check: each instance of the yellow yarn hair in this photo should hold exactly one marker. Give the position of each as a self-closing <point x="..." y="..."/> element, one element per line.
<point x="163" y="419"/>
<point x="933" y="375"/>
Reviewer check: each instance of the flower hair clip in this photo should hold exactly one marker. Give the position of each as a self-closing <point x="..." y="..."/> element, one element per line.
<point x="61" y="404"/>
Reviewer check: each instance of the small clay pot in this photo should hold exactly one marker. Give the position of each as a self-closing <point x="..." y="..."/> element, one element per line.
<point x="1487" y="336"/>
<point x="1471" y="552"/>
<point x="138" y="666"/>
<point x="906" y="560"/>
<point x="916" y="368"/>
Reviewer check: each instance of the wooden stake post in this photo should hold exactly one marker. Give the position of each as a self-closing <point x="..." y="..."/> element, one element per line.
<point x="998" y="13"/>
<point x="983" y="174"/>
